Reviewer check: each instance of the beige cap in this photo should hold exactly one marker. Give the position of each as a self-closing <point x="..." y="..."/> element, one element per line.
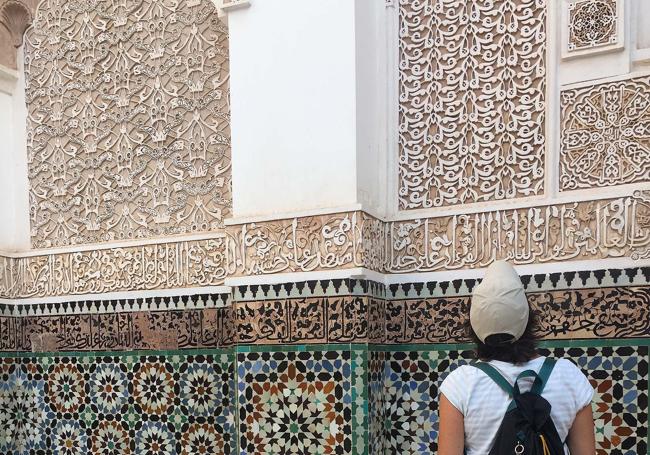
<point x="499" y="303"/>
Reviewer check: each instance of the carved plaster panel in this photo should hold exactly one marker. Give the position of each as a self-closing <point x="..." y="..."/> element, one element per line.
<point x="128" y="127"/>
<point x="300" y="244"/>
<point x="15" y="17"/>
<point x="605" y="138"/>
<point x="600" y="229"/>
<point x="472" y="101"/>
<point x="158" y="266"/>
<point x="593" y="26"/>
<point x="558" y="232"/>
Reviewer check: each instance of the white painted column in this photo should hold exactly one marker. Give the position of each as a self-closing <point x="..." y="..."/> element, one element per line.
<point x="293" y="100"/>
<point x="375" y="127"/>
<point x="14" y="188"/>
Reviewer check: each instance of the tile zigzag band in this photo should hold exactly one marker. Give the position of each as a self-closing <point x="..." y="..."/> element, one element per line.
<point x="611" y="303"/>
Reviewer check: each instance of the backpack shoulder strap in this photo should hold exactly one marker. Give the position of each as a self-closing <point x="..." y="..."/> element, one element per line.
<point x="541" y="378"/>
<point x="543" y="375"/>
<point x="495" y="376"/>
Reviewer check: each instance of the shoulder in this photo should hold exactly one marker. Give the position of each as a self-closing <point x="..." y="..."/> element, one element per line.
<point x="567" y="367"/>
<point x="464" y="371"/>
<point x="568" y="376"/>
<point x="462" y="375"/>
<point x="457" y="386"/>
<point x="570" y="381"/>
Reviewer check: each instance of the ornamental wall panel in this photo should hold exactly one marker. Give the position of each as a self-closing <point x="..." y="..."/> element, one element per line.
<point x="472" y="101"/>
<point x="613" y="303"/>
<point x="586" y="230"/>
<point x="605" y="135"/>
<point x="15" y="17"/>
<point x="128" y="126"/>
<point x="592" y="26"/>
<point x="114" y="374"/>
<point x="606" y="228"/>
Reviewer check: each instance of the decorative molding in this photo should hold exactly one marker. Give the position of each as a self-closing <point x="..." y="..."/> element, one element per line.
<point x="15" y="18"/>
<point x="604" y="312"/>
<point x="639" y="276"/>
<point x="592" y="26"/>
<point x="125" y="331"/>
<point x="559" y="232"/>
<point x="619" y="312"/>
<point x="317" y="289"/>
<point x="225" y="6"/>
<point x="605" y="135"/>
<point x="156" y="266"/>
<point x="602" y="304"/>
<point x="588" y="230"/>
<point x="471" y="115"/>
<point x="153" y="304"/>
<point x="310" y="320"/>
<point x="129" y="123"/>
<point x="305" y="244"/>
<point x="308" y="289"/>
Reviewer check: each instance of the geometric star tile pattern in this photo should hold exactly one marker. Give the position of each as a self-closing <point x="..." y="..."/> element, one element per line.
<point x="306" y="399"/>
<point x="117" y="404"/>
<point x="298" y="402"/>
<point x="619" y="375"/>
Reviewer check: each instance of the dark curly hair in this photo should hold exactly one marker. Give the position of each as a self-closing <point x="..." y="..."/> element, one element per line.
<point x="501" y="347"/>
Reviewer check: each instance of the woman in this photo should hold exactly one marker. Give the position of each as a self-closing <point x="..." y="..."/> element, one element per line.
<point x="472" y="405"/>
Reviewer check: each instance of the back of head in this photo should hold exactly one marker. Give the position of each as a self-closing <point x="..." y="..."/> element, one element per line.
<point x="500" y="318"/>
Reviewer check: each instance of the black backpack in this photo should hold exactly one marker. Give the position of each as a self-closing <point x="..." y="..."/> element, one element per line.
<point x="527" y="427"/>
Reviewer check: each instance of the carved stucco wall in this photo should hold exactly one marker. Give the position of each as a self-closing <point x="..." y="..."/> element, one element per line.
<point x="592" y="23"/>
<point x="301" y="332"/>
<point x="15" y="17"/>
<point x="605" y="134"/>
<point x="128" y="128"/>
<point x="472" y="101"/>
<point x="588" y="230"/>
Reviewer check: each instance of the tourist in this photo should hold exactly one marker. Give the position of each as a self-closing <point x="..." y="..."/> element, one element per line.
<point x="480" y="413"/>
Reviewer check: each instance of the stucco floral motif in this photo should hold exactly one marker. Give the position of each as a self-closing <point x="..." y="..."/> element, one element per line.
<point x="605" y="134"/>
<point x="472" y="101"/>
<point x="592" y="23"/>
<point x="128" y="126"/>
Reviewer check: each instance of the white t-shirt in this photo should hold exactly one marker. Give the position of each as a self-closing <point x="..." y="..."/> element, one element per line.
<point x="483" y="403"/>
